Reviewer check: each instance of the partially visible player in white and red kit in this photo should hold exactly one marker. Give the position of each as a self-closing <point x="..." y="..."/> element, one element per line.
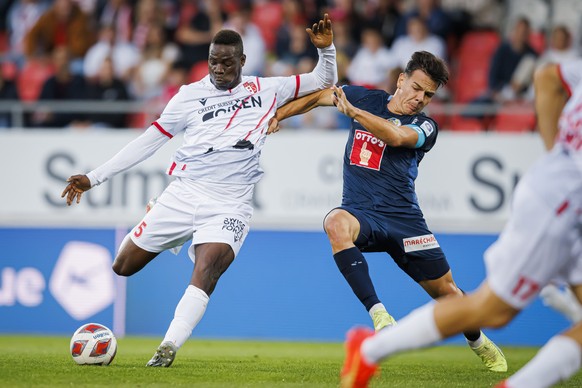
<point x="541" y="243"/>
<point x="224" y="118"/>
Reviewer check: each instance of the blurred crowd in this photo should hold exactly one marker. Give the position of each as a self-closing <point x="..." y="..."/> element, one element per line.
<point x="144" y="50"/>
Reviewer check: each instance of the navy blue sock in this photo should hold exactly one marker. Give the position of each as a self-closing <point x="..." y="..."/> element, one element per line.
<point x="354" y="267"/>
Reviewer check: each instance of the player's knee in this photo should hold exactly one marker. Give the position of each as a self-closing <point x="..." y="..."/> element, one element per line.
<point x="120" y="266"/>
<point x="336" y="229"/>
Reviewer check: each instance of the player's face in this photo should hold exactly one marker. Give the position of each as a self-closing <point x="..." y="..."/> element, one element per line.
<point x="225" y="66"/>
<point x="414" y="93"/>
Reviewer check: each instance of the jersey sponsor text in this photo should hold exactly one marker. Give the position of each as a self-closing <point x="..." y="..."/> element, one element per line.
<point x="420" y="243"/>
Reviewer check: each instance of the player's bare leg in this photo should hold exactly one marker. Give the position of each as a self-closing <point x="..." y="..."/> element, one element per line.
<point x="212" y="260"/>
<point x="131" y="258"/>
<point x="490" y="354"/>
<point x="342" y="229"/>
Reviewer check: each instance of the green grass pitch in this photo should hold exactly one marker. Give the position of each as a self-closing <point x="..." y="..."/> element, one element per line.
<point x="27" y="361"/>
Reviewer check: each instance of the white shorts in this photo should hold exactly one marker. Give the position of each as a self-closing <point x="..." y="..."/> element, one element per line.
<point x="200" y="211"/>
<point x="542" y="239"/>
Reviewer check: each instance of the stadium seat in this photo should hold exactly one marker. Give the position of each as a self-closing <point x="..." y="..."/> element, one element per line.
<point x="460" y="123"/>
<point x="268" y="16"/>
<point x="9" y="70"/>
<point x="473" y="61"/>
<point x="31" y="78"/>
<point x="515" y="117"/>
<point x="198" y="71"/>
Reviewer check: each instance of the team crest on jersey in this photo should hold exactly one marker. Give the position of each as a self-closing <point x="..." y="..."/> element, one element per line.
<point x="251" y="87"/>
<point x="367" y="150"/>
<point x="420" y="243"/>
<point x="395" y="121"/>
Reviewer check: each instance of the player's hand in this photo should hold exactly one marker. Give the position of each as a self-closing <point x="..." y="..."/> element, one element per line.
<point x="341" y="102"/>
<point x="320" y="33"/>
<point x="273" y="126"/>
<point x="78" y="184"/>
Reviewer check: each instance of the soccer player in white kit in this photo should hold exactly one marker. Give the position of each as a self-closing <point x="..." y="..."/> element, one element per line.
<point x="541" y="242"/>
<point x="224" y="117"/>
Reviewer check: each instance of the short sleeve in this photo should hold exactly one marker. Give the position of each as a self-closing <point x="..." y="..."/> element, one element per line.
<point x="430" y="129"/>
<point x="173" y="118"/>
<point x="571" y="74"/>
<point x="354" y="93"/>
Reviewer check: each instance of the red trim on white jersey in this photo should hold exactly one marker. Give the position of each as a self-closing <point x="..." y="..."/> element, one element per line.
<point x="262" y="118"/>
<point x="258" y="84"/>
<point x="183" y="167"/>
<point x="235" y="112"/>
<point x="172" y="167"/>
<point x="564" y="83"/>
<point x="297" y="85"/>
<point x="162" y="130"/>
<point x="562" y="207"/>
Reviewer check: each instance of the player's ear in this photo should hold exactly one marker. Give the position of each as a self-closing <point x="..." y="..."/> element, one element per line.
<point x="400" y="80"/>
<point x="243" y="59"/>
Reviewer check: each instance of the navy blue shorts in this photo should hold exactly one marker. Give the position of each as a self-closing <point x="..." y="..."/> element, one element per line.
<point x="389" y="233"/>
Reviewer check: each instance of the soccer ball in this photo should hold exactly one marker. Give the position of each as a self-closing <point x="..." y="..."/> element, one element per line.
<point x="93" y="344"/>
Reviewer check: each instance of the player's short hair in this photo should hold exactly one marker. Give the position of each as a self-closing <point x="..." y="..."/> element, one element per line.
<point x="433" y="66"/>
<point x="229" y="38"/>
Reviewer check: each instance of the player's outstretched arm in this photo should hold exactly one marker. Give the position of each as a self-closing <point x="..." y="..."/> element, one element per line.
<point x="300" y="106"/>
<point x="78" y="184"/>
<point x="321" y="34"/>
<point x="550" y="99"/>
<point x="393" y="135"/>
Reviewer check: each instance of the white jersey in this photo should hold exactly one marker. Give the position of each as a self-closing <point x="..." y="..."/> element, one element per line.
<point x="570" y="124"/>
<point x="224" y="130"/>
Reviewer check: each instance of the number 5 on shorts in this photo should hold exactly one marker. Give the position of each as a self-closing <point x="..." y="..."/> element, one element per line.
<point x="140" y="229"/>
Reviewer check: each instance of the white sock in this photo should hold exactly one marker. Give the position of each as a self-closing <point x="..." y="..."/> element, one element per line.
<point x="189" y="312"/>
<point x="376" y="307"/>
<point x="478" y="342"/>
<point x="556" y="361"/>
<point x="416" y="330"/>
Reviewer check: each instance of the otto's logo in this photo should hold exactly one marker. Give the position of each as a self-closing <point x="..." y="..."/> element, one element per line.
<point x="236" y="226"/>
<point x="420" y="243"/>
<point x="251" y="87"/>
<point x="367" y="150"/>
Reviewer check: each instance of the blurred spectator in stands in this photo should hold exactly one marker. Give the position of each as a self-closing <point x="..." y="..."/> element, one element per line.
<point x="480" y="14"/>
<point x="158" y="56"/>
<point x="8" y="92"/>
<point x="200" y="21"/>
<point x="560" y="48"/>
<point x="373" y="61"/>
<point x="418" y="38"/>
<point x="63" y="24"/>
<point x="292" y="50"/>
<point x="512" y="65"/>
<point x="119" y="14"/>
<point x="148" y="13"/>
<point x="23" y="14"/>
<point x="431" y="12"/>
<point x="253" y="41"/>
<point x="106" y="87"/>
<point x="125" y="55"/>
<point x="63" y="86"/>
<point x="383" y="14"/>
<point x="510" y="72"/>
<point x="292" y="16"/>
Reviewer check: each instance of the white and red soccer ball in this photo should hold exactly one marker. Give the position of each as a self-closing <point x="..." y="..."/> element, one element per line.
<point x="93" y="344"/>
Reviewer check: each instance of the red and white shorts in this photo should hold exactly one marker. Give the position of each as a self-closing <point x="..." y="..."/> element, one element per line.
<point x="199" y="211"/>
<point x="542" y="240"/>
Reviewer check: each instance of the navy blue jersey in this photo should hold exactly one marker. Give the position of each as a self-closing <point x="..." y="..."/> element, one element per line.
<point x="378" y="177"/>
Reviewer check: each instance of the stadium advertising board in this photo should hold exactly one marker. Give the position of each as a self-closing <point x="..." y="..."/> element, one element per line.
<point x="465" y="183"/>
<point x="52" y="280"/>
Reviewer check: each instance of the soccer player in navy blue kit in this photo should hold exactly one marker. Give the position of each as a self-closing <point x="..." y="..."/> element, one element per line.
<point x="389" y="136"/>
